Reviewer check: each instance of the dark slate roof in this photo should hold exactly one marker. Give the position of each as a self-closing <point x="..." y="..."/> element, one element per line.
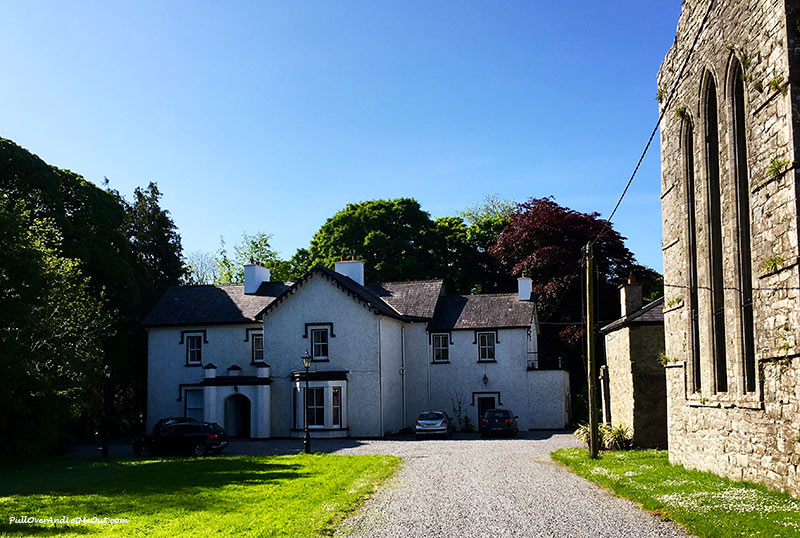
<point x="649" y="314"/>
<point x="419" y="300"/>
<point x="211" y="304"/>
<point x="482" y="311"/>
<point x="411" y="299"/>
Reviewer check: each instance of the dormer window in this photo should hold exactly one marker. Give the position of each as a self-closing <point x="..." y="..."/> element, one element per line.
<point x="441" y="347"/>
<point x="319" y="344"/>
<point x="257" y="347"/>
<point x="194" y="349"/>
<point x="486" y="347"/>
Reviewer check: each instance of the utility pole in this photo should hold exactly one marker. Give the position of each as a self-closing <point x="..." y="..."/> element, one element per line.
<point x="592" y="367"/>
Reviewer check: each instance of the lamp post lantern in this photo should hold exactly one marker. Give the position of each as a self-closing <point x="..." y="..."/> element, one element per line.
<point x="307" y="440"/>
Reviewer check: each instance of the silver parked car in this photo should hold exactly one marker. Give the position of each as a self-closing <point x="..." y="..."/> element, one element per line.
<point x="434" y="423"/>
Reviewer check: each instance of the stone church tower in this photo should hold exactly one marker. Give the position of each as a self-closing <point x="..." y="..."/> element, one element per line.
<point x="730" y="91"/>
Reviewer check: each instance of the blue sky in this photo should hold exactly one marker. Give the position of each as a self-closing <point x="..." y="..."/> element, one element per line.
<point x="272" y="116"/>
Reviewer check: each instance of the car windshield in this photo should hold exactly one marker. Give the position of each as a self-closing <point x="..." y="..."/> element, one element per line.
<point x="431" y="416"/>
<point x="498" y="414"/>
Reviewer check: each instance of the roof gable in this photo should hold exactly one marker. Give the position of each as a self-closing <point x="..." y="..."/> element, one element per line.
<point x="347" y="285"/>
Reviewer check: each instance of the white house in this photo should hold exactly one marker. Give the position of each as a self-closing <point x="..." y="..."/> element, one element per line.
<point x="382" y="353"/>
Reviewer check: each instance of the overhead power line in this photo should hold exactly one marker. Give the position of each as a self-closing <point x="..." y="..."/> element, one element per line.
<point x="664" y="109"/>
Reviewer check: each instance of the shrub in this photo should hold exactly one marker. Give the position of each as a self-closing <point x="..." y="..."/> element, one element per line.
<point x="619" y="437"/>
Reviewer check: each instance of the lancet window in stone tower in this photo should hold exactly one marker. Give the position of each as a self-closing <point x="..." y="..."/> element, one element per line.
<point x="743" y="217"/>
<point x="694" y="327"/>
<point x="715" y="235"/>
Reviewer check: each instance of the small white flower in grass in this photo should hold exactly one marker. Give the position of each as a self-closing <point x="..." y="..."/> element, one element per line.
<point x="731" y="499"/>
<point x="602" y="471"/>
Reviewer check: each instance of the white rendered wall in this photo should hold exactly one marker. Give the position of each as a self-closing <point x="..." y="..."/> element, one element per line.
<point x="391" y="379"/>
<point x="538" y="397"/>
<point x="417" y="359"/>
<point x="167" y="370"/>
<point x="354" y="349"/>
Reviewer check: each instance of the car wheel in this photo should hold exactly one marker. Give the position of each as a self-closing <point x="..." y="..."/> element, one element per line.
<point x="145" y="451"/>
<point x="199" y="450"/>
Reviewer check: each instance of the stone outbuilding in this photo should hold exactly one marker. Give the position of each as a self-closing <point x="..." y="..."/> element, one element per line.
<point x="729" y="154"/>
<point x="634" y="384"/>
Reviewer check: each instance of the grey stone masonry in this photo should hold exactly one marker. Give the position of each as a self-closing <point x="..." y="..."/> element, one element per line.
<point x="745" y="423"/>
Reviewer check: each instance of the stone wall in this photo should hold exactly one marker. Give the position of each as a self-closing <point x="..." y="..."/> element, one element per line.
<point x="744" y="435"/>
<point x="636" y="383"/>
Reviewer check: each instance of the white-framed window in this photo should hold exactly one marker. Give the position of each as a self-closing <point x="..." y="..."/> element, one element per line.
<point x="327" y="405"/>
<point x="194" y="349"/>
<point x="441" y="347"/>
<point x="316" y="407"/>
<point x="336" y="406"/>
<point x="257" y="347"/>
<point x="486" y="346"/>
<point x="194" y="404"/>
<point x="319" y="344"/>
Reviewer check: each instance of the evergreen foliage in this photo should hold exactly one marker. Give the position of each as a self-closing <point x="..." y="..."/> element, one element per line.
<point x="85" y="265"/>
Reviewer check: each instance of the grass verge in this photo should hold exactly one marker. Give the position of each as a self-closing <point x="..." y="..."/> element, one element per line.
<point x="706" y="504"/>
<point x="303" y="495"/>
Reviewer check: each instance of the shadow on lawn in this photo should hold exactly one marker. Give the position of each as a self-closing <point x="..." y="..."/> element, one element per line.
<point x="128" y="488"/>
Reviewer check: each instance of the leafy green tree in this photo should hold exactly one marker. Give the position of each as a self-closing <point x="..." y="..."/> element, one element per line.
<point x="299" y="264"/>
<point x="53" y="332"/>
<point x="393" y="237"/>
<point x="486" y="219"/>
<point x="130" y="253"/>
<point x="251" y="248"/>
<point x="453" y="255"/>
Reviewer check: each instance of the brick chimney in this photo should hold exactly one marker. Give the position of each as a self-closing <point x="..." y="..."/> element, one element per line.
<point x="254" y="274"/>
<point x="352" y="268"/>
<point x="630" y="297"/>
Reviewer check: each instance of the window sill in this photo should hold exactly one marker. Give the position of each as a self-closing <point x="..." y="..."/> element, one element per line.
<point x="321" y="360"/>
<point x="751" y="400"/>
<point x="440" y="362"/>
<point x="487" y="360"/>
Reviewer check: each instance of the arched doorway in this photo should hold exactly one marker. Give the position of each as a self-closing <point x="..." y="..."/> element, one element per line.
<point x="237" y="415"/>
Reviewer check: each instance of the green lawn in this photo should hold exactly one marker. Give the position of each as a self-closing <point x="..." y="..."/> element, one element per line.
<point x="704" y="503"/>
<point x="303" y="495"/>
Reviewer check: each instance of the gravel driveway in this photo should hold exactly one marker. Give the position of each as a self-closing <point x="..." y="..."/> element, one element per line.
<point x="467" y="487"/>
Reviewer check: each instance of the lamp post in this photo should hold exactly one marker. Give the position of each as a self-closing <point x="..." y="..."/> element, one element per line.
<point x="307" y="440"/>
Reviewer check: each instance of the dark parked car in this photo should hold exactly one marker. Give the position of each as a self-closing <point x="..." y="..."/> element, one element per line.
<point x="171" y="420"/>
<point x="434" y="423"/>
<point x="498" y="422"/>
<point x="197" y="438"/>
